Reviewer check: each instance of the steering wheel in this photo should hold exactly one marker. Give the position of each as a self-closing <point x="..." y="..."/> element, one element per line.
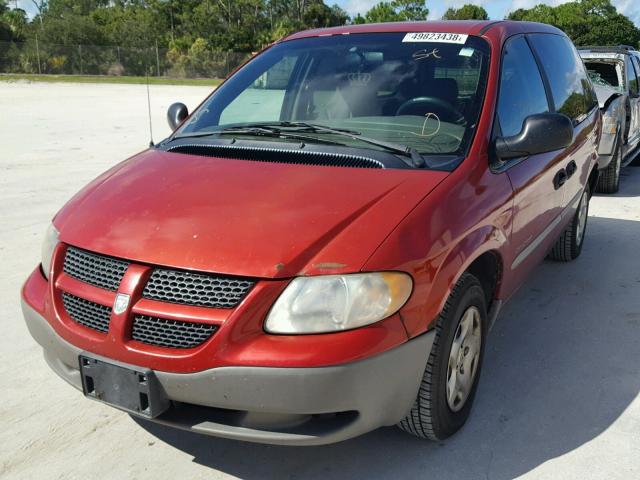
<point x="423" y="105"/>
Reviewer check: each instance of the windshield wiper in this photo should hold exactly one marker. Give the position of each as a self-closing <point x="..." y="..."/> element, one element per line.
<point x="404" y="150"/>
<point x="257" y="130"/>
<point x="304" y="126"/>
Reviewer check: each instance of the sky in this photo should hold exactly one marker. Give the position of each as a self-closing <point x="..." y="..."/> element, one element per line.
<point x="497" y="9"/>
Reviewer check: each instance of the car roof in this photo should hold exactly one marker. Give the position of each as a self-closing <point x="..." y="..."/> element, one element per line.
<point x="469" y="27"/>
<point x="602" y="55"/>
<point x="621" y="49"/>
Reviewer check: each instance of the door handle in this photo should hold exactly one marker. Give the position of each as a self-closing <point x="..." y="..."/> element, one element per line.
<point x="560" y="178"/>
<point x="571" y="168"/>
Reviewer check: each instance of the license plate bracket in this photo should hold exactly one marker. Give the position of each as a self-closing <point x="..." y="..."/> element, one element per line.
<point x="135" y="390"/>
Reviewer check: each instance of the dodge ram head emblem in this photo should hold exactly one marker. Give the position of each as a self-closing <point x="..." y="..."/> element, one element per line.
<point x="121" y="303"/>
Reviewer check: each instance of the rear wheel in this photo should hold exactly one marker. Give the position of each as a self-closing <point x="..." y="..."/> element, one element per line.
<point x="609" y="179"/>
<point x="451" y="378"/>
<point x="569" y="245"/>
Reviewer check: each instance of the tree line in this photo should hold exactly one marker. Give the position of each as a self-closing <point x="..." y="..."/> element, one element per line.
<point x="224" y="25"/>
<point x="586" y="22"/>
<point x="192" y="37"/>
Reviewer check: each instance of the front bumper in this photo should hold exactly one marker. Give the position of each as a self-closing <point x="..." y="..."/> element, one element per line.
<point x="288" y="406"/>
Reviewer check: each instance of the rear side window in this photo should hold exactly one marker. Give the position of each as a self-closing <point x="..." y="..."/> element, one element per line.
<point x="570" y="86"/>
<point x="521" y="88"/>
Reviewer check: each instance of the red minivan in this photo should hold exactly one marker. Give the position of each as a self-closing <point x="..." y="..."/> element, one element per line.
<point x="321" y="247"/>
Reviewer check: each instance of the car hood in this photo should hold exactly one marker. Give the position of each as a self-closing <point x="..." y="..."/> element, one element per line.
<point x="241" y="217"/>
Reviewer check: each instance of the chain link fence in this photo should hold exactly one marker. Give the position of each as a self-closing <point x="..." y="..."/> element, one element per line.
<point x="33" y="57"/>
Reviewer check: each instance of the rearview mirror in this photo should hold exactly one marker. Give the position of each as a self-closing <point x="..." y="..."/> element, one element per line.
<point x="176" y="114"/>
<point x="541" y="133"/>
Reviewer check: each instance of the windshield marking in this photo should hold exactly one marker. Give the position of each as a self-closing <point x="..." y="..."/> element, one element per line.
<point x="423" y="54"/>
<point x="424" y="125"/>
<point x="438" y="37"/>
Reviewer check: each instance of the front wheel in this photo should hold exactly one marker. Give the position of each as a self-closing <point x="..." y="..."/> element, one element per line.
<point x="451" y="377"/>
<point x="569" y="245"/>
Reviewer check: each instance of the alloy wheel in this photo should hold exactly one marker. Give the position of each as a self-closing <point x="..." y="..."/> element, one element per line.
<point x="464" y="357"/>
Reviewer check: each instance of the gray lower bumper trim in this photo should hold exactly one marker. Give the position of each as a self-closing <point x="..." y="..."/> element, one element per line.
<point x="291" y="406"/>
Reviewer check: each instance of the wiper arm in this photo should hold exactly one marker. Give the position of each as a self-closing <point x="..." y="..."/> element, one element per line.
<point x="277" y="133"/>
<point x="312" y="127"/>
<point x="255" y="128"/>
<point x="258" y="127"/>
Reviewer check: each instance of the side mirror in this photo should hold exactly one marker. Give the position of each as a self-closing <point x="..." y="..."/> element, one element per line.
<point x="176" y="114"/>
<point x="541" y="133"/>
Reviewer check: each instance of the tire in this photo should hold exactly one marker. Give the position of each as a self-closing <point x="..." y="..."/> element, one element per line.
<point x="431" y="416"/>
<point x="609" y="179"/>
<point x="569" y="245"/>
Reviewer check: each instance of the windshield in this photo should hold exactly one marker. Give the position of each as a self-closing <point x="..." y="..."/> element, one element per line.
<point x="398" y="88"/>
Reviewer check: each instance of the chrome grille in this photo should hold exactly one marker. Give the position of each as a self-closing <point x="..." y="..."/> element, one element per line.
<point x="196" y="289"/>
<point x="170" y="333"/>
<point x="97" y="270"/>
<point x="91" y="315"/>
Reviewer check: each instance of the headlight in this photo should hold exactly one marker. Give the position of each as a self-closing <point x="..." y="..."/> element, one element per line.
<point x="51" y="239"/>
<point x="609" y="125"/>
<point x="610" y="119"/>
<point x="338" y="302"/>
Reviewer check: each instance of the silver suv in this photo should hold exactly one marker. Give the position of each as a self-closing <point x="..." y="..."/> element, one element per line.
<point x="615" y="73"/>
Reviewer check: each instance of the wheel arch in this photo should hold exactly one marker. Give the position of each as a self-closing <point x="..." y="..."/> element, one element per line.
<point x="487" y="268"/>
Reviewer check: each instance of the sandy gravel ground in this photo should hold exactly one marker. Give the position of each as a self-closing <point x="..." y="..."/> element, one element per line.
<point x="558" y="397"/>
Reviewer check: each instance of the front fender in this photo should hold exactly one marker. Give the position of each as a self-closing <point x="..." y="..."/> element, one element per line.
<point x="441" y="238"/>
<point x="612" y="125"/>
<point x="435" y="281"/>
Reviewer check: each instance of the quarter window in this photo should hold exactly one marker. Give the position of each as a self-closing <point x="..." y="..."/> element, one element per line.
<point x="521" y="87"/>
<point x="570" y="86"/>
